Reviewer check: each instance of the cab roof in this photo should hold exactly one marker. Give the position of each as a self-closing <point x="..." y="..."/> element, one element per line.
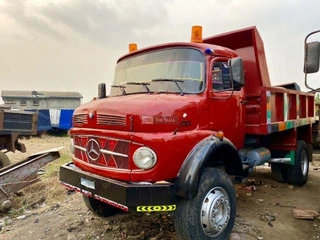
<point x="217" y="50"/>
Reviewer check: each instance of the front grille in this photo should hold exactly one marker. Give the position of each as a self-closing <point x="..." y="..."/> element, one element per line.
<point x="80" y="119"/>
<point x="102" y="151"/>
<point x="111" y="120"/>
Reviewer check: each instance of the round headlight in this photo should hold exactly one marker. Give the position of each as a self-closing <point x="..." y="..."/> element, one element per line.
<point x="144" y="158"/>
<point x="71" y="146"/>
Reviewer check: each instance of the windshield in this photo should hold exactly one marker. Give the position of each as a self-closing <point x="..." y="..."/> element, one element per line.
<point x="178" y="70"/>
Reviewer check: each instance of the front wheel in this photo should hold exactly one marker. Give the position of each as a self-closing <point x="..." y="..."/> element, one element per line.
<point x="100" y="208"/>
<point x="298" y="172"/>
<point x="211" y="214"/>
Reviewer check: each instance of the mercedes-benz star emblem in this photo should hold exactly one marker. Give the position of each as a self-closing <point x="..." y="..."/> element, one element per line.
<point x="93" y="150"/>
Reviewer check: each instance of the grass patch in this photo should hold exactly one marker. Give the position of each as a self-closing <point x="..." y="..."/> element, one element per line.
<point x="16" y="212"/>
<point x="52" y="168"/>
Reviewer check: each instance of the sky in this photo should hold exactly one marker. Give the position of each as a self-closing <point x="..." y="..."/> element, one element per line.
<point x="73" y="45"/>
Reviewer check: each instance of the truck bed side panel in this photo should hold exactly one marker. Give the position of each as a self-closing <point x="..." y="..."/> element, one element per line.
<point x="278" y="109"/>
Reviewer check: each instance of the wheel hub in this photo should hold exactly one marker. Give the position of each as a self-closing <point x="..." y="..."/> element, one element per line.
<point x="304" y="162"/>
<point x="215" y="212"/>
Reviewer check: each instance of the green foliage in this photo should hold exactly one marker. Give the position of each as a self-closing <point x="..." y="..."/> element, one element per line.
<point x="317" y="100"/>
<point x="13" y="213"/>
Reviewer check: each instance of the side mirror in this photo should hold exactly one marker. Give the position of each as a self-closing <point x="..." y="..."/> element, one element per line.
<point x="311" y="60"/>
<point x="101" y="90"/>
<point x="236" y="71"/>
<point x="312" y="52"/>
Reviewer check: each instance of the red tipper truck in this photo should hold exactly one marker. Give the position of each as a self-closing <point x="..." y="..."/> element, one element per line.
<point x="181" y="121"/>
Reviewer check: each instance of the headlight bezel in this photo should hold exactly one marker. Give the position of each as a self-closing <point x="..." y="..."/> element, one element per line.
<point x="140" y="158"/>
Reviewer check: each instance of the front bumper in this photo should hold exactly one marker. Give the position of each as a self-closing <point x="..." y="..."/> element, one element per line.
<point x="126" y="196"/>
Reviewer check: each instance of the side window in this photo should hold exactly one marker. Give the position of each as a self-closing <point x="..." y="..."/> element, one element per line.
<point x="35" y="102"/>
<point x="221" y="76"/>
<point x="23" y="102"/>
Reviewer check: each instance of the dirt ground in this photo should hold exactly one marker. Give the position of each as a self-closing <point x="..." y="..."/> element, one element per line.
<point x="47" y="211"/>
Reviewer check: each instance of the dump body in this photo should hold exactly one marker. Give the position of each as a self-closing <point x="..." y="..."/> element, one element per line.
<point x="268" y="109"/>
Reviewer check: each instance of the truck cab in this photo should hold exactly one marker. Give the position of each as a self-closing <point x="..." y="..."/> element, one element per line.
<point x="163" y="101"/>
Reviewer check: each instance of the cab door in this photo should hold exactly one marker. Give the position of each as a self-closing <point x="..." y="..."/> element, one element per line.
<point x="227" y="110"/>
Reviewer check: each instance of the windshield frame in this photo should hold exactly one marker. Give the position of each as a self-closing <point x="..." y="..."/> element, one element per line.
<point x="193" y="60"/>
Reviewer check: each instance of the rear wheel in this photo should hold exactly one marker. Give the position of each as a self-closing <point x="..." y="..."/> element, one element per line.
<point x="4" y="160"/>
<point x="211" y="214"/>
<point x="298" y="172"/>
<point x="100" y="208"/>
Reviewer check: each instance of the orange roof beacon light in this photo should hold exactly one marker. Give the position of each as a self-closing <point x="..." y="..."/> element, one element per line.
<point x="133" y="47"/>
<point x="196" y="34"/>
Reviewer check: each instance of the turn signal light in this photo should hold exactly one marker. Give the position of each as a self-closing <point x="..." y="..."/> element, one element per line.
<point x="133" y="47"/>
<point x="220" y="135"/>
<point x="196" y="34"/>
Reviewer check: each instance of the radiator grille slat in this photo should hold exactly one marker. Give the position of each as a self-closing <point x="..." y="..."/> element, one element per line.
<point x="80" y="119"/>
<point x="111" y="120"/>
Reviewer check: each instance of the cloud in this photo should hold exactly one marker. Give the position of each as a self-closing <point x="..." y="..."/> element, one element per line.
<point x="72" y="45"/>
<point x="22" y="14"/>
<point x="104" y="22"/>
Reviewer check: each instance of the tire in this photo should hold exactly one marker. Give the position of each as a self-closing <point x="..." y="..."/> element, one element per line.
<point x="298" y="172"/>
<point x="4" y="160"/>
<point x="279" y="172"/>
<point x="216" y="199"/>
<point x="99" y="208"/>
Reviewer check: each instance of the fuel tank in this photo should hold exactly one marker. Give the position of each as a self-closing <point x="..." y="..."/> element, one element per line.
<point x="255" y="157"/>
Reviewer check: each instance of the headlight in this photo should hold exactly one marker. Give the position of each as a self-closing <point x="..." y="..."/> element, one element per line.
<point x="71" y="146"/>
<point x="144" y="158"/>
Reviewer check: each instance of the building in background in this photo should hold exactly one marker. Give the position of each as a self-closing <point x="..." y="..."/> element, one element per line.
<point x="41" y="99"/>
<point x="55" y="109"/>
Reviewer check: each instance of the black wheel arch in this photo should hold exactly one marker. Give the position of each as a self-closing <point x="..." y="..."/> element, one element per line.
<point x="210" y="152"/>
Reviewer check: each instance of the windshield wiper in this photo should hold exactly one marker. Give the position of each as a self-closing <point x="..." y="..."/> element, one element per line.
<point x="122" y="88"/>
<point x="176" y="81"/>
<point x="144" y="84"/>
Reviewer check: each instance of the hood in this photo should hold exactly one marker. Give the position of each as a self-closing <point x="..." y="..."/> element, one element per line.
<point x="140" y="113"/>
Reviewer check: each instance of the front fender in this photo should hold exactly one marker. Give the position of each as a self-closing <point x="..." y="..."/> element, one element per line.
<point x="210" y="152"/>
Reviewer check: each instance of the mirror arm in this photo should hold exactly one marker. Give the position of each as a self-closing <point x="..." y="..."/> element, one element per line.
<point x="305" y="40"/>
<point x="307" y="85"/>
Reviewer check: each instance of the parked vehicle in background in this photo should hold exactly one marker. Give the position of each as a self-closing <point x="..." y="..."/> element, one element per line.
<point x="14" y="124"/>
<point x="182" y="121"/>
<point x="54" y="108"/>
